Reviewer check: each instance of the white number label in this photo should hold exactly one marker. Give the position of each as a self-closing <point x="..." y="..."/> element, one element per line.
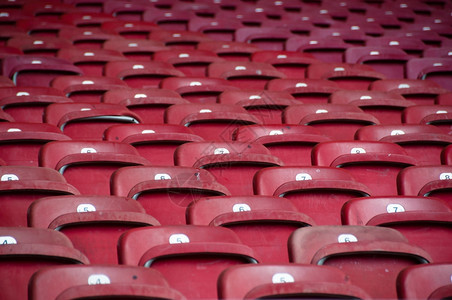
<point x="445" y="176"/>
<point x="394" y="208"/>
<point x="241" y="207"/>
<point x="98" y="279"/>
<point x="357" y="150"/>
<point x="88" y="150"/>
<point x="7" y="240"/>
<point x="178" y="238"/>
<point x="282" y="278"/>
<point x="397" y="132"/>
<point x="221" y="151"/>
<point x="162" y="176"/>
<point x="346" y="238"/>
<point x="85" y="208"/>
<point x="9" y="177"/>
<point x="303" y="176"/>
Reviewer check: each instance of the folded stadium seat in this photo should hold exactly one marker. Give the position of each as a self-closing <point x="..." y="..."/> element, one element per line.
<point x="325" y="50"/>
<point x="85" y="121"/>
<point x="88" y="165"/>
<point x="259" y="11"/>
<point x="265" y="105"/>
<point x="411" y="45"/>
<point x="169" y="19"/>
<point x="20" y="142"/>
<point x="148" y="103"/>
<point x="304" y="89"/>
<point x="91" y="62"/>
<point x="193" y="63"/>
<point x="445" y="51"/>
<point x="353" y="37"/>
<point x="131" y="30"/>
<point x="212" y="122"/>
<point x="295" y="27"/>
<point x="42" y="27"/>
<point x="292" y="64"/>
<point x="422" y="142"/>
<point x="291" y="143"/>
<point x="39" y="71"/>
<point x="426" y="181"/>
<point x="318" y="192"/>
<point x="190" y="257"/>
<point x="418" y="91"/>
<point x="125" y="10"/>
<point x="431" y="281"/>
<point x="86" y="89"/>
<point x="429" y="38"/>
<point x="219" y="29"/>
<point x="27" y="250"/>
<point x="444" y="99"/>
<point x="424" y="221"/>
<point x="140" y="74"/>
<point x="387" y="60"/>
<point x="201" y="8"/>
<point x="262" y="223"/>
<point x="39" y="45"/>
<point x="437" y="69"/>
<point x="87" y="38"/>
<point x="201" y="90"/>
<point x="179" y="39"/>
<point x="135" y="49"/>
<point x="87" y="20"/>
<point x="165" y="191"/>
<point x="266" y="38"/>
<point x="371" y="256"/>
<point x="437" y="115"/>
<point x="372" y="15"/>
<point x="250" y="75"/>
<point x="233" y="164"/>
<point x="49" y="11"/>
<point x="387" y="107"/>
<point x="29" y="91"/>
<point x="155" y="142"/>
<point x="11" y="16"/>
<point x="315" y="15"/>
<point x="286" y="280"/>
<point x="427" y="24"/>
<point x="375" y="164"/>
<point x="91" y="6"/>
<point x="347" y="76"/>
<point x="337" y="121"/>
<point x="231" y="51"/>
<point x="92" y="223"/>
<point x="100" y="281"/>
<point x="6" y="51"/>
<point x="22" y="185"/>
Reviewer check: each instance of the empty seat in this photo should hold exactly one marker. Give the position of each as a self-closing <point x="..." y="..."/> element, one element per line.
<point x="265" y="37"/>
<point x="306" y="90"/>
<point x="124" y="10"/>
<point x="286" y="280"/>
<point x="22" y="185"/>
<point x="88" y="165"/>
<point x="86" y="89"/>
<point x="445" y="51"/>
<point x="88" y="37"/>
<point x="387" y="107"/>
<point x="190" y="257"/>
<point x="169" y="20"/>
<point x="436" y="115"/>
<point x="218" y="29"/>
<point x="85" y="121"/>
<point x="165" y="192"/>
<point x="411" y="45"/>
<point x="329" y="50"/>
<point x="232" y="163"/>
<point x="27" y="250"/>
<point x="431" y="281"/>
<point x="291" y="143"/>
<point x="39" y="71"/>
<point x="426" y="181"/>
<point x="424" y="221"/>
<point x="422" y="142"/>
<point x="20" y="142"/>
<point x="422" y="92"/>
<point x="375" y="164"/>
<point x="198" y="89"/>
<point x="318" y="192"/>
<point x="141" y="74"/>
<point x="92" y="223"/>
<point x="265" y="105"/>
<point x="135" y="49"/>
<point x="29" y="91"/>
<point x="132" y="31"/>
<point x="371" y="256"/>
<point x="387" y="60"/>
<point x="446" y="156"/>
<point x="214" y="122"/>
<point x="347" y="76"/>
<point x="39" y="46"/>
<point x="263" y="223"/>
<point x="436" y="69"/>
<point x="155" y="142"/>
<point x="231" y="51"/>
<point x="100" y="281"/>
<point x="179" y="39"/>
<point x="337" y="121"/>
<point x="250" y="75"/>
<point x="148" y="103"/>
<point x="292" y="64"/>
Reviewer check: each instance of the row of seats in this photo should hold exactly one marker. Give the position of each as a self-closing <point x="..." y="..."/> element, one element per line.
<point x="212" y="149"/>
